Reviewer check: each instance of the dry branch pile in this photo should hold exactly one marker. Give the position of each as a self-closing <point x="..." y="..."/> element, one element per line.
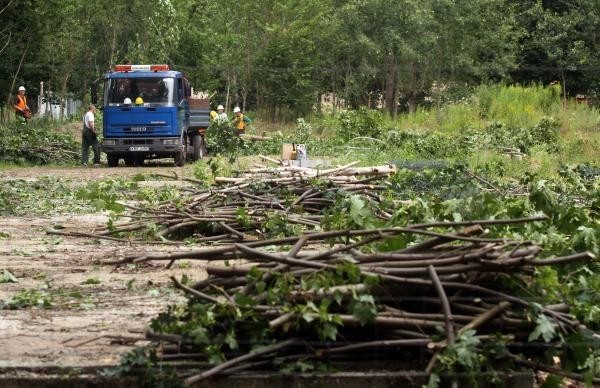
<point x="347" y="297"/>
<point x="237" y="212"/>
<point x="348" y="306"/>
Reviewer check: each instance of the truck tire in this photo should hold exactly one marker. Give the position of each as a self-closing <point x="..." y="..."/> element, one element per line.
<point x="138" y="160"/>
<point x="198" y="145"/>
<point x="180" y="156"/>
<point x="130" y="161"/>
<point x="112" y="160"/>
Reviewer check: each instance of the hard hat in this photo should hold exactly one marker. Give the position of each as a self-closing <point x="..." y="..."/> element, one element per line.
<point x="220" y="107"/>
<point x="21" y="88"/>
<point x="236" y="109"/>
<point x="139" y="101"/>
<point x="127" y="101"/>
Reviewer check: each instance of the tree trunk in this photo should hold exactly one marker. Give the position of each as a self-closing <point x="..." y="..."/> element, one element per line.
<point x="113" y="48"/>
<point x="391" y="81"/>
<point x="258" y="101"/>
<point x="412" y="94"/>
<point x="244" y="97"/>
<point x="63" y="94"/>
<point x="319" y="107"/>
<point x="395" y="102"/>
<point x="227" y="102"/>
<point x="14" y="80"/>
<point x="334" y="91"/>
<point x="564" y="85"/>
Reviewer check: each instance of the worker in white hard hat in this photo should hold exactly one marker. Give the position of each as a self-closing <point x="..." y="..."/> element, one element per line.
<point x="240" y="120"/>
<point x="22" y="110"/>
<point x="221" y="115"/>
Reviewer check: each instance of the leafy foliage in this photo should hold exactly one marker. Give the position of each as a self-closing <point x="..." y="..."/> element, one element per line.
<point x="38" y="143"/>
<point x="43" y="196"/>
<point x="223" y="139"/>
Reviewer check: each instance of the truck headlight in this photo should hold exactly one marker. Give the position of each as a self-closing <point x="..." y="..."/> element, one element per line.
<point x="109" y="142"/>
<point x="170" y="141"/>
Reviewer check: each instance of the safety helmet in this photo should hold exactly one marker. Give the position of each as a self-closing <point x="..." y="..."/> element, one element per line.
<point x="220" y="107"/>
<point x="21" y="88"/>
<point x="139" y="101"/>
<point x="236" y="109"/>
<point x="127" y="101"/>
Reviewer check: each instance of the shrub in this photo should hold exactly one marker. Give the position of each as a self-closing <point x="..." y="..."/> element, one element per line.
<point x="544" y="133"/>
<point x="362" y="122"/>
<point x="37" y="143"/>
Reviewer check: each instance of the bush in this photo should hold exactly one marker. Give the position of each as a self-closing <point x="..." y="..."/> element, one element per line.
<point x="361" y="123"/>
<point x="429" y="145"/>
<point x="544" y="134"/>
<point x="37" y="143"/>
<point x="222" y="139"/>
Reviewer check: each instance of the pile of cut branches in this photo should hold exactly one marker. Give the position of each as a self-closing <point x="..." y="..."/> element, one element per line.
<point x="36" y="144"/>
<point x="261" y="203"/>
<point x="455" y="303"/>
<point x="308" y="268"/>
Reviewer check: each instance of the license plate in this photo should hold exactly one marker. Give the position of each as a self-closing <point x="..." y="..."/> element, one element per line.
<point x="139" y="148"/>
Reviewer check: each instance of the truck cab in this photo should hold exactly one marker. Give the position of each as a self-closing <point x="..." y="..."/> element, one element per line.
<point x="146" y="115"/>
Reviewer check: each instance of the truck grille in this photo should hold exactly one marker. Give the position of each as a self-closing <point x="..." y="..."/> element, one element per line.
<point x="137" y="141"/>
<point x="139" y="129"/>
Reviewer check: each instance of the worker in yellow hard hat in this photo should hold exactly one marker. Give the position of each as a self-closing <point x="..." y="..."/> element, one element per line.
<point x="240" y="120"/>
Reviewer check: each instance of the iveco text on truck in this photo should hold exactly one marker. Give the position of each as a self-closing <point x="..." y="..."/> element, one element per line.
<point x="147" y="115"/>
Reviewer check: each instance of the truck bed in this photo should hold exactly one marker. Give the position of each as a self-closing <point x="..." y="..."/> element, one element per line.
<point x="199" y="113"/>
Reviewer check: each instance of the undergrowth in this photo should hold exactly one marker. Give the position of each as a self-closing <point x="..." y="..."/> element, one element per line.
<point x="39" y="142"/>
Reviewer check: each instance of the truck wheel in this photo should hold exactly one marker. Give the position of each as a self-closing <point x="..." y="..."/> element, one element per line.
<point x="197" y="143"/>
<point x="180" y="156"/>
<point x="138" y="160"/>
<point x="130" y="161"/>
<point x="112" y="160"/>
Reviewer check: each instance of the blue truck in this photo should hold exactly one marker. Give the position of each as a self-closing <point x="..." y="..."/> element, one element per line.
<point x="148" y="113"/>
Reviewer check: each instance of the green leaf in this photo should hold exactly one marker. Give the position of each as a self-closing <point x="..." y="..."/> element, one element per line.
<point x="243" y="300"/>
<point x="199" y="335"/>
<point x="92" y="280"/>
<point x="230" y="340"/>
<point x="545" y="328"/>
<point x="364" y="309"/>
<point x="8" y="277"/>
<point x="553" y="381"/>
<point x="329" y="331"/>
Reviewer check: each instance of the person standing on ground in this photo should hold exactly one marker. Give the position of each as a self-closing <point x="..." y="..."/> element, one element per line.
<point x="221" y="115"/>
<point x="240" y="121"/>
<point x="22" y="110"/>
<point x="89" y="137"/>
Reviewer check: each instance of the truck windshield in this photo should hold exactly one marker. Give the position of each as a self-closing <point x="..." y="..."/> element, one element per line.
<point x="155" y="91"/>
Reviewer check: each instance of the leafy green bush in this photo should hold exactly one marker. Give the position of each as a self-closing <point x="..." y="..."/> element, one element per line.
<point x="37" y="143"/>
<point x="360" y="123"/>
<point x="222" y="139"/>
<point x="544" y="133"/>
<point x="429" y="145"/>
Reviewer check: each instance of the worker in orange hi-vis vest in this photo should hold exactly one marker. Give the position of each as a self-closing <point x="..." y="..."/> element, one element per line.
<point x="22" y="110"/>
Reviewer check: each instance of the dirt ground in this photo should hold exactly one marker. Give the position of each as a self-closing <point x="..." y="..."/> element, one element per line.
<point x="88" y="299"/>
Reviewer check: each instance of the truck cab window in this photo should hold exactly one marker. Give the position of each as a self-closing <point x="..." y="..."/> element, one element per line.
<point x="155" y="91"/>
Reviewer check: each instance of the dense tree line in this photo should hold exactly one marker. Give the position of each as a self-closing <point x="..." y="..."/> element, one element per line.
<point x="281" y="56"/>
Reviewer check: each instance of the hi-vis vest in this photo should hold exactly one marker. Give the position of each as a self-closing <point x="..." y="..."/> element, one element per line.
<point x="241" y="122"/>
<point x="21" y="102"/>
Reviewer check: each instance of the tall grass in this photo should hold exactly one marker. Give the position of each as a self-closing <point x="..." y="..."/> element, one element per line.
<point x="517" y="106"/>
<point x="514" y="106"/>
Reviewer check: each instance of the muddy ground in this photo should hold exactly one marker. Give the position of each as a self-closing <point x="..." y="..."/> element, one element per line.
<point x="87" y="298"/>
